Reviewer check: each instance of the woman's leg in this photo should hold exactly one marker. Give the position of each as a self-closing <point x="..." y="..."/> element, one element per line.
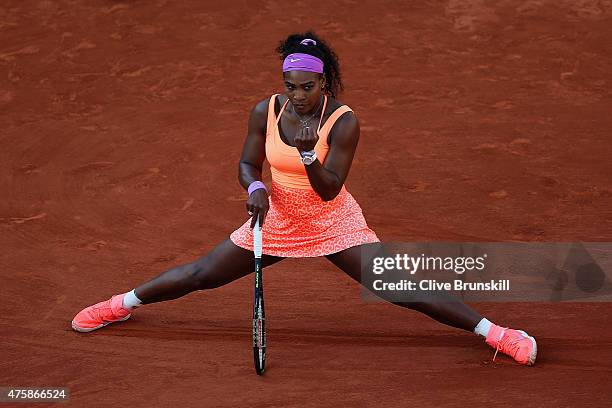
<point x="223" y="264"/>
<point x="456" y="314"/>
<point x="515" y="343"/>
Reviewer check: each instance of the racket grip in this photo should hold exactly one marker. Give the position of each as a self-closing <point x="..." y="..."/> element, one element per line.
<point x="257" y="240"/>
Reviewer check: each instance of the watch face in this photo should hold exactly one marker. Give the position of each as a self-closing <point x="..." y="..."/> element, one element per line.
<point x="308" y="160"/>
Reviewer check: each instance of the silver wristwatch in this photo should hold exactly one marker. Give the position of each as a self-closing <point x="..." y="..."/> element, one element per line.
<point x="308" y="157"/>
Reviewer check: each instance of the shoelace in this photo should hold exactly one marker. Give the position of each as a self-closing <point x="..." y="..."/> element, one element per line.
<point x="512" y="346"/>
<point x="501" y="335"/>
<point x="102" y="307"/>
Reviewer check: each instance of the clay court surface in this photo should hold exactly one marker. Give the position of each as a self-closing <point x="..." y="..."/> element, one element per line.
<point x="121" y="127"/>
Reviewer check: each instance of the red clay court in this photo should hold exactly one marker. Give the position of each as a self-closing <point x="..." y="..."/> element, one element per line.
<point x="121" y="128"/>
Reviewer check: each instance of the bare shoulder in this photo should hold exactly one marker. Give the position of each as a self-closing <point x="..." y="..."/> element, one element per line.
<point x="346" y="123"/>
<point x="261" y="108"/>
<point x="258" y="119"/>
<point x="346" y="118"/>
<point x="345" y="129"/>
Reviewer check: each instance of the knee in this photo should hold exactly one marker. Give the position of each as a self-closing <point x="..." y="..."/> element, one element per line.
<point x="199" y="276"/>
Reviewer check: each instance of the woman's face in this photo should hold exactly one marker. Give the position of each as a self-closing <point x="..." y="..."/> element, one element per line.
<point x="304" y="89"/>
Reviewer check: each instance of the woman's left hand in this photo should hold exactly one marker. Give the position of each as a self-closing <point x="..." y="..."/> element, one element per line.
<point x="306" y="139"/>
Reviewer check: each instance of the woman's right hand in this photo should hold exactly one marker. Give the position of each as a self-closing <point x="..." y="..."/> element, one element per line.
<point x="258" y="205"/>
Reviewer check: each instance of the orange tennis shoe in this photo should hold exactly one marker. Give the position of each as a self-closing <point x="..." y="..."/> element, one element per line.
<point x="515" y="343"/>
<point x="101" y="314"/>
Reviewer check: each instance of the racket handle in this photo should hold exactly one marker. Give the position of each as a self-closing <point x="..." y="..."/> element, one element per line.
<point x="257" y="240"/>
<point x="260" y="361"/>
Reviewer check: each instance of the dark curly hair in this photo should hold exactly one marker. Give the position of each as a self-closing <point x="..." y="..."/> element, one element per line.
<point x="331" y="67"/>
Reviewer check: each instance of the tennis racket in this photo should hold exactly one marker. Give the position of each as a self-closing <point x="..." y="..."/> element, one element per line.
<point x="259" y="315"/>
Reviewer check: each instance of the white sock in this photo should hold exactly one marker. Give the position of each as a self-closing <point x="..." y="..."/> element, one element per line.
<point x="130" y="301"/>
<point x="482" y="328"/>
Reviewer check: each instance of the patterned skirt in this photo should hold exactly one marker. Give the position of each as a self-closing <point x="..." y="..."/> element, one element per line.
<point x="300" y="224"/>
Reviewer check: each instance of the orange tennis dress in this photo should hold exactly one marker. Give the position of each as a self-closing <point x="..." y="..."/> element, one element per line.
<point x="299" y="223"/>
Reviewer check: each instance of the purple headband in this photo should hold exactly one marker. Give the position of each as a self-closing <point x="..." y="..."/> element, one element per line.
<point x="303" y="62"/>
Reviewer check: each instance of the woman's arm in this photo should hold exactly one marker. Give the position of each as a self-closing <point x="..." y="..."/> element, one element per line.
<point x="328" y="177"/>
<point x="254" y="149"/>
<point x="251" y="161"/>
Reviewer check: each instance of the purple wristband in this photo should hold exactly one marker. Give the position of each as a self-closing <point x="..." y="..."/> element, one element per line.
<point x="256" y="185"/>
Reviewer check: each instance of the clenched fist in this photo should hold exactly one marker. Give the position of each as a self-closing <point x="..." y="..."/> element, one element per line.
<point x="305" y="139"/>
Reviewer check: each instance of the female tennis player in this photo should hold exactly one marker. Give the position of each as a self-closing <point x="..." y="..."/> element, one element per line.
<point x="309" y="138"/>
